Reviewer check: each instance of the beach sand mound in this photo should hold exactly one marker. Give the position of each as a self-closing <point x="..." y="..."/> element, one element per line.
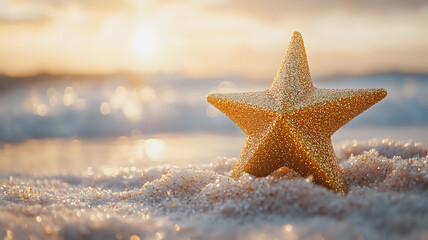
<point x="388" y="199"/>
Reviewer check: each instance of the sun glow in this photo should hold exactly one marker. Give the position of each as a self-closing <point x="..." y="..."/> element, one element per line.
<point x="144" y="42"/>
<point x="154" y="148"/>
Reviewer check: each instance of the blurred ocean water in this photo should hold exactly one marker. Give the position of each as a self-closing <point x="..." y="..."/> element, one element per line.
<point x="68" y="124"/>
<point x="113" y="106"/>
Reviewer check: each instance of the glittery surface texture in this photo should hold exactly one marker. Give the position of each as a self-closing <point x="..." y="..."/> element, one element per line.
<point x="292" y="122"/>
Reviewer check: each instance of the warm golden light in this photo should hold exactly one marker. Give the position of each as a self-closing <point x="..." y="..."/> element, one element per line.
<point x="228" y="39"/>
<point x="105" y="108"/>
<point x="154" y="148"/>
<point x="41" y="110"/>
<point x="132" y="110"/>
<point x="144" y="42"/>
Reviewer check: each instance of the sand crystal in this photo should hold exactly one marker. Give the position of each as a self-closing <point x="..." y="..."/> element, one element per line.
<point x="388" y="199"/>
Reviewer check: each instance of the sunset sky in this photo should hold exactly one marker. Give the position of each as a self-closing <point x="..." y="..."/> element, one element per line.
<point x="211" y="37"/>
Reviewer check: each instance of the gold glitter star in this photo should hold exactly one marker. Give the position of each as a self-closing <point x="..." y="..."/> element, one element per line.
<point x="292" y="122"/>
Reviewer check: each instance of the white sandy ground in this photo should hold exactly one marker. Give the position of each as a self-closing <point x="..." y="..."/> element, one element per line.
<point x="388" y="199"/>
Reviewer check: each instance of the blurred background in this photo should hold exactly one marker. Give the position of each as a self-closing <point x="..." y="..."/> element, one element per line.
<point x="109" y="83"/>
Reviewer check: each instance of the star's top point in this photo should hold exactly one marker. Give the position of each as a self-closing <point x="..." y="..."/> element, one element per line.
<point x="297" y="34"/>
<point x="293" y="79"/>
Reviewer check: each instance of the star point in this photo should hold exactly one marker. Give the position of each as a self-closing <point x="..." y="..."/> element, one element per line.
<point x="291" y="123"/>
